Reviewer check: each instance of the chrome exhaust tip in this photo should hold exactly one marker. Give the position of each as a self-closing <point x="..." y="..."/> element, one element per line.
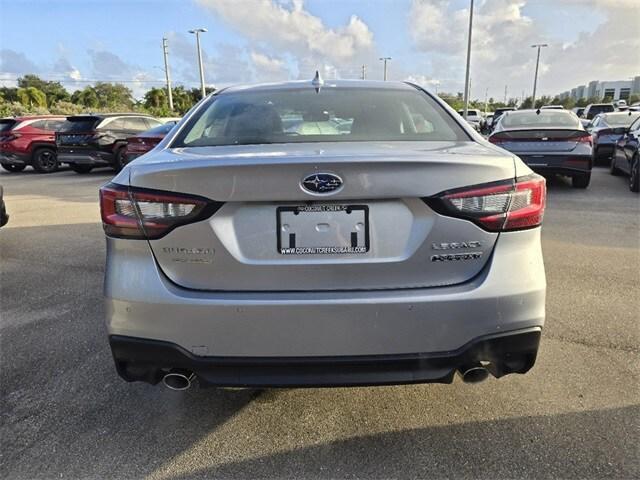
<point x="474" y="373"/>
<point x="178" y="379"/>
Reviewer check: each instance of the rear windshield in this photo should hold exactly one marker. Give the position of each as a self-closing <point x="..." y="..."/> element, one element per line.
<point x="540" y="119"/>
<point x="80" y="124"/>
<point x="160" y="130"/>
<point x="621" y="119"/>
<point x="473" y="113"/>
<point x="330" y="115"/>
<point x="596" y="109"/>
<point x="6" y="125"/>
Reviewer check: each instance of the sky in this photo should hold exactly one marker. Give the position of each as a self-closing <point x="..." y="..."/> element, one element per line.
<point x="79" y="42"/>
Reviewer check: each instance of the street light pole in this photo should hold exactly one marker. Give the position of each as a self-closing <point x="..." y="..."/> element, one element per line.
<point x="165" y="49"/>
<point x="535" y="77"/>
<point x="385" y="59"/>
<point x="466" y="79"/>
<point x="198" y="31"/>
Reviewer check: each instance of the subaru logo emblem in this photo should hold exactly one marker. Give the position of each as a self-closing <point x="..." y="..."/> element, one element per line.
<point x="321" y="183"/>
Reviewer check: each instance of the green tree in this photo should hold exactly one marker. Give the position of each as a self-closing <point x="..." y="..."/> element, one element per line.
<point x="9" y="94"/>
<point x="86" y="97"/>
<point x="155" y="98"/>
<point x="113" y="95"/>
<point x="32" y="97"/>
<point x="54" y="91"/>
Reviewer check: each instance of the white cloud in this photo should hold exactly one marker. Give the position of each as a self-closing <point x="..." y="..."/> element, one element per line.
<point x="293" y="30"/>
<point x="269" y="68"/>
<point x="502" y="39"/>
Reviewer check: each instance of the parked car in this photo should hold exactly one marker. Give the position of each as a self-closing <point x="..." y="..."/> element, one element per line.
<point x="169" y="119"/>
<point x="144" y="142"/>
<point x="578" y="111"/>
<point x="498" y="113"/>
<point x="548" y="141"/>
<point x="594" y="109"/>
<point x="606" y="129"/>
<point x="397" y="252"/>
<point x="626" y="157"/>
<point x="552" y="107"/>
<point x="4" y="217"/>
<point x="488" y="121"/>
<point x="29" y="140"/>
<point x="474" y="117"/>
<point x="90" y="141"/>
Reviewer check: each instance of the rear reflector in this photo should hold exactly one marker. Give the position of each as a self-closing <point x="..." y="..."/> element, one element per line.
<point x="496" y="207"/>
<point x="138" y="213"/>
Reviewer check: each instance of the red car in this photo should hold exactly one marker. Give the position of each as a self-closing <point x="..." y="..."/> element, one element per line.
<point x="29" y="141"/>
<point x="144" y="142"/>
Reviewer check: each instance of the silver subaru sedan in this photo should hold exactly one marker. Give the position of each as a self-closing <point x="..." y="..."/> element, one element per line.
<point x="323" y="233"/>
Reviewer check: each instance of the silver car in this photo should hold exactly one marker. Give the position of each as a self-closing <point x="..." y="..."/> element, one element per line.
<point x="401" y="248"/>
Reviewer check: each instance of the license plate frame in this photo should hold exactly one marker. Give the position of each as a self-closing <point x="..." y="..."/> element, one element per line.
<point x="359" y="235"/>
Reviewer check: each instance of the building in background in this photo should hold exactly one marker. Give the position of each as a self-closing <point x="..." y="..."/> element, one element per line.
<point x="613" y="90"/>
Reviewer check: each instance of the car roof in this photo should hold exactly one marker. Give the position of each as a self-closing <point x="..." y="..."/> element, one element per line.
<point x="108" y="115"/>
<point x="599" y="105"/>
<point x="37" y="117"/>
<point x="305" y="84"/>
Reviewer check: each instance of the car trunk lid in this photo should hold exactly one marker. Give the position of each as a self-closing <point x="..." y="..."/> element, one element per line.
<point x="540" y="140"/>
<point x="374" y="232"/>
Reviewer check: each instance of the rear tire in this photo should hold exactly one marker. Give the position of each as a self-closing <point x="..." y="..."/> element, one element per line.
<point x="81" y="168"/>
<point x="10" y="167"/>
<point x="613" y="169"/>
<point x="44" y="160"/>
<point x="634" y="174"/>
<point x="581" y="181"/>
<point x="119" y="160"/>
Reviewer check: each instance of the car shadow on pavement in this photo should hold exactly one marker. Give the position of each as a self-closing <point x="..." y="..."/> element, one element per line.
<point x="556" y="446"/>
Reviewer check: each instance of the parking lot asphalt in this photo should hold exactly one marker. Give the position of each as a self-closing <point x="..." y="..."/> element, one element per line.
<point x="66" y="414"/>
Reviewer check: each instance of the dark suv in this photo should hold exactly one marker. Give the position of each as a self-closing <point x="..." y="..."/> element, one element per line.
<point x="29" y="141"/>
<point x="89" y="141"/>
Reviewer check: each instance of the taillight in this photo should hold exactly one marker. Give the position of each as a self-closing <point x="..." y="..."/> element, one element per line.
<point x="138" y="213"/>
<point x="10" y="137"/>
<point x="583" y="139"/>
<point x="495" y="139"/>
<point x="496" y="207"/>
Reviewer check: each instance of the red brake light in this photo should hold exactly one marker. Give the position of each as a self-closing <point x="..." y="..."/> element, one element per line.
<point x="495" y="139"/>
<point x="138" y="213"/>
<point x="9" y="136"/>
<point x="583" y="139"/>
<point x="496" y="207"/>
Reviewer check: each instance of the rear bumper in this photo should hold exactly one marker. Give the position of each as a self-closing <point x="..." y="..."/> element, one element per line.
<point x="507" y="296"/>
<point x="605" y="149"/>
<point x="149" y="360"/>
<point x="558" y="164"/>
<point x="14" y="158"/>
<point x="94" y="158"/>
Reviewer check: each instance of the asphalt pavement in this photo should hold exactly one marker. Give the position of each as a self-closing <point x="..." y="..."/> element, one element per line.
<point x="66" y="414"/>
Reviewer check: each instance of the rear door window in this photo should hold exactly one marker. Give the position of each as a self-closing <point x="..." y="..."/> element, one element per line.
<point x="115" y="124"/>
<point x="80" y="124"/>
<point x="152" y="122"/>
<point x="6" y="125"/>
<point x="135" y="124"/>
<point x="54" y="125"/>
<point x="39" y="124"/>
